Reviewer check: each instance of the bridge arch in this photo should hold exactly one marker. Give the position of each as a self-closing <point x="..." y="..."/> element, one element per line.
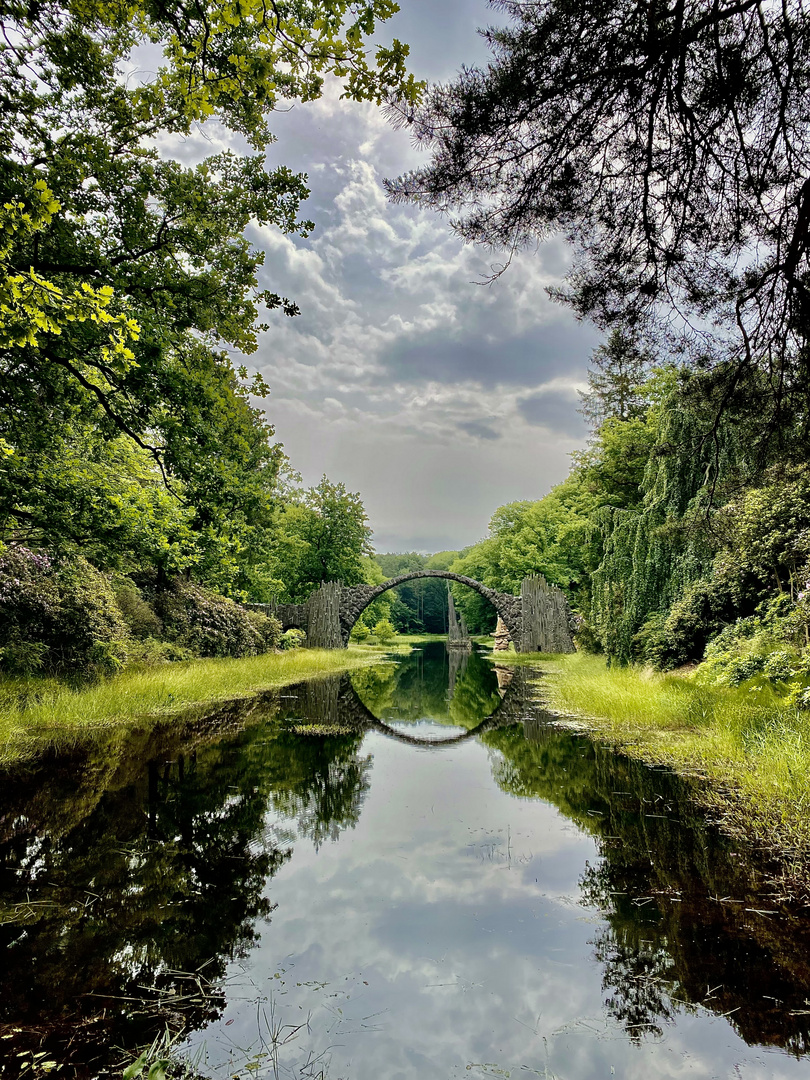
<point x="355" y="599"/>
<point x="539" y="620"/>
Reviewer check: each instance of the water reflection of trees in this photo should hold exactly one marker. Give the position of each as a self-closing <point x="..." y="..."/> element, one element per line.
<point x="135" y="869"/>
<point x="125" y="893"/>
<point x="461" y="690"/>
<point x="682" y="905"/>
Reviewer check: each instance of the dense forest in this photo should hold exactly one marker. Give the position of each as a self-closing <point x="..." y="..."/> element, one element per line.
<point x="142" y="494"/>
<point x="141" y="490"/>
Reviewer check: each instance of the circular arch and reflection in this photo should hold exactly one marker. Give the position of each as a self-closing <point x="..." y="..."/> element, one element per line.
<point x="476" y="696"/>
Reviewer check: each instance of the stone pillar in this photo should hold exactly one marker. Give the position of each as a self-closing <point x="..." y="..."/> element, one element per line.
<point x="323" y="617"/>
<point x="502" y="636"/>
<point x="545" y="618"/>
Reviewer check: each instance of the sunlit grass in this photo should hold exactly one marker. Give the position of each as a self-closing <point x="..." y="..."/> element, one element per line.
<point x="752" y="747"/>
<point x="33" y="705"/>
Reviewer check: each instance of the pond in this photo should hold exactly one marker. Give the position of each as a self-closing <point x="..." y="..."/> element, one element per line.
<point x="410" y="871"/>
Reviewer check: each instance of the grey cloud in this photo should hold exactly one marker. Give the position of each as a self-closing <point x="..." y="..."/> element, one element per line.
<point x="555" y="410"/>
<point x="443" y="36"/>
<point x="396" y="352"/>
<point x="479" y="429"/>
<point x="539" y="355"/>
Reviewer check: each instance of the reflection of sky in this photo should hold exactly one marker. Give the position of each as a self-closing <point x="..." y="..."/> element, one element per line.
<point x="443" y="937"/>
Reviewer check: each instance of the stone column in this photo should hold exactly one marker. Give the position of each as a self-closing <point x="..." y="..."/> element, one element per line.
<point x="502" y="636"/>
<point x="323" y="617"/>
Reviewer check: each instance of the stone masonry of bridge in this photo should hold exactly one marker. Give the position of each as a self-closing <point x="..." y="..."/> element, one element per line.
<point x="539" y="620"/>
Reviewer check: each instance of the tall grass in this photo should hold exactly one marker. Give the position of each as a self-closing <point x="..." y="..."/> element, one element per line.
<point x="34" y="705"/>
<point x="748" y="743"/>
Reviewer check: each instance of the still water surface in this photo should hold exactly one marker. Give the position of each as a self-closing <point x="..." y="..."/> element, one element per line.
<point x="452" y="886"/>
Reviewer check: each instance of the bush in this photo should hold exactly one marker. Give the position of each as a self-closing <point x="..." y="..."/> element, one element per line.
<point x="780" y="665"/>
<point x="799" y="697"/>
<point x="651" y="642"/>
<point x="741" y="668"/>
<point x="139" y="616"/>
<point x="585" y="637"/>
<point x="208" y="624"/>
<point x="91" y="635"/>
<point x="360" y="631"/>
<point x="23" y="657"/>
<point x="765" y="644"/>
<point x="150" y="651"/>
<point x="384" y="631"/>
<point x="29" y="597"/>
<point x="268" y="628"/>
<point x="60" y="617"/>
<point x="682" y="635"/>
<point x="293" y="638"/>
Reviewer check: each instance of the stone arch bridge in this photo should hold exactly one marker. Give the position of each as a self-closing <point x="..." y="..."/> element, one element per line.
<point x="539" y="620"/>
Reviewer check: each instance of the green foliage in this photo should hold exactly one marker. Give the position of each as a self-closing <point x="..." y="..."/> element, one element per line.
<point x="208" y="624"/>
<point x="268" y="628"/>
<point x="360" y="630"/>
<point x="418" y="606"/>
<point x="57" y="616"/>
<point x="768" y="644"/>
<point x="127" y="286"/>
<point x="382" y="607"/>
<point x="293" y="638"/>
<point x="661" y="537"/>
<point x="384" y="631"/>
<point x="616" y="374"/>
<point x="680" y="636"/>
<point x="140" y="617"/>
<point x="765" y="534"/>
<point x="320" y="534"/>
<point x="663" y="543"/>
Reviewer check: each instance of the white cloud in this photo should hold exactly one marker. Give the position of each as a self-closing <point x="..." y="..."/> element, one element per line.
<point x="399" y="364"/>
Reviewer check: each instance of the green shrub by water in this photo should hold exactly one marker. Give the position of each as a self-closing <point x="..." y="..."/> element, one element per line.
<point x="57" y="616"/>
<point x="65" y="617"/>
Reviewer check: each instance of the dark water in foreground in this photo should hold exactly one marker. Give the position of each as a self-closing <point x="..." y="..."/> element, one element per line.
<point x="450" y="886"/>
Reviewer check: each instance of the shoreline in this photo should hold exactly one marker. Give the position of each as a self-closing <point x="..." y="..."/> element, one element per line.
<point x="41" y="710"/>
<point x="744" y="753"/>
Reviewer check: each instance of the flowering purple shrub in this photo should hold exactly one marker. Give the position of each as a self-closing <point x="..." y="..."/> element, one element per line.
<point x="57" y="616"/>
<point x="211" y="625"/>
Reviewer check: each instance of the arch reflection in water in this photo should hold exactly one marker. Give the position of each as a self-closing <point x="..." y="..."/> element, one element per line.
<point x="434" y="684"/>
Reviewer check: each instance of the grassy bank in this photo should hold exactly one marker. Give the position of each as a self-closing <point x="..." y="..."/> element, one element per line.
<point x="34" y="706"/>
<point x="750" y="749"/>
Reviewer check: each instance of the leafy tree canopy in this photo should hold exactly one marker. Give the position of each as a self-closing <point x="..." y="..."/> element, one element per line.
<point x="617" y="370"/>
<point x="318" y="534"/>
<point x="668" y="141"/>
<point x="126" y="282"/>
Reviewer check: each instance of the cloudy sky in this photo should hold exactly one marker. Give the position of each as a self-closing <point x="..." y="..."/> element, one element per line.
<point x="437" y="398"/>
